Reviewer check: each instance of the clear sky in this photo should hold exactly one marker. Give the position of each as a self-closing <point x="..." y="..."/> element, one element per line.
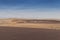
<point x="30" y="9"/>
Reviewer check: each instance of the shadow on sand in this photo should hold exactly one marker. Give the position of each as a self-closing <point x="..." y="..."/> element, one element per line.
<point x="15" y="33"/>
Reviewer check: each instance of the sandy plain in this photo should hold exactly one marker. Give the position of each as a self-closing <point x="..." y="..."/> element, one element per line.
<point x="28" y="31"/>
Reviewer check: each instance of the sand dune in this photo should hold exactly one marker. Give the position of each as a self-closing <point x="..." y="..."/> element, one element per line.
<point x="20" y="29"/>
<point x="31" y="23"/>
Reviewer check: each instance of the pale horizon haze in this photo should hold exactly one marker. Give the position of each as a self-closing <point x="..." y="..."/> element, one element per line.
<point x="43" y="9"/>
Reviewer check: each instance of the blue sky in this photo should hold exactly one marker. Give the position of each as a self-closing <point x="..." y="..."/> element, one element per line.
<point x="30" y="9"/>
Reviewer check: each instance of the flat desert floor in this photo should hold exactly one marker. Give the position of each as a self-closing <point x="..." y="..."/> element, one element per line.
<point x="31" y="25"/>
<point x="21" y="33"/>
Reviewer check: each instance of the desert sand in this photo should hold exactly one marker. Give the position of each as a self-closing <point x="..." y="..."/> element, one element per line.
<point x="30" y="23"/>
<point x="20" y="29"/>
<point x="20" y="33"/>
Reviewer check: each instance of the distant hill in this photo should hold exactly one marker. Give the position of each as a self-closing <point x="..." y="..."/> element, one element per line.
<point x="35" y="21"/>
<point x="15" y="20"/>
